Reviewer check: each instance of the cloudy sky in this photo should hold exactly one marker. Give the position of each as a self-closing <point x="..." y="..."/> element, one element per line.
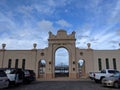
<point x="24" y="22"/>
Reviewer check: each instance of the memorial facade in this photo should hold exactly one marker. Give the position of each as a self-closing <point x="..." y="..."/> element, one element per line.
<point x="93" y="60"/>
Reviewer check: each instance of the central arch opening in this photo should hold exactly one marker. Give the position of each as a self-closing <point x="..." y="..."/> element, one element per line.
<point x="61" y="63"/>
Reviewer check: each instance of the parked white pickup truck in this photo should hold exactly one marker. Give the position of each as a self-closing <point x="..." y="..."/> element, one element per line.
<point x="98" y="76"/>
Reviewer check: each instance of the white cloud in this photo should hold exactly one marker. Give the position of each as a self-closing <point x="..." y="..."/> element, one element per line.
<point x="40" y="8"/>
<point x="51" y="2"/>
<point x="45" y="25"/>
<point x="99" y="40"/>
<point x="114" y="13"/>
<point x="93" y="4"/>
<point x="34" y="24"/>
<point x="6" y="23"/>
<point x="25" y="9"/>
<point x="44" y="9"/>
<point x="116" y="9"/>
<point x="63" y="23"/>
<point x="107" y="40"/>
<point x="17" y="44"/>
<point x="23" y="36"/>
<point x="118" y="32"/>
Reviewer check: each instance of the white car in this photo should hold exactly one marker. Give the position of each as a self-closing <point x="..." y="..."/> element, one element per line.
<point x="15" y="76"/>
<point x="4" y="82"/>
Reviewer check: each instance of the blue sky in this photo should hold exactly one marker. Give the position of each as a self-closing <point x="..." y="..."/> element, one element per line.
<point x="24" y="22"/>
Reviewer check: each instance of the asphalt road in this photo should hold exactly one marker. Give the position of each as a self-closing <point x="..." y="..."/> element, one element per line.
<point x="61" y="85"/>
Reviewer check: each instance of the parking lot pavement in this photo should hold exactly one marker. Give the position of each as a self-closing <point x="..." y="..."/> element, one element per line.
<point x="61" y="85"/>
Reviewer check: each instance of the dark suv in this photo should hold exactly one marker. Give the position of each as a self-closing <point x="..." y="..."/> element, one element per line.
<point x="29" y="76"/>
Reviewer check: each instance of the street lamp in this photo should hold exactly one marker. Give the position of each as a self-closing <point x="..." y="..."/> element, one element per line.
<point x="3" y="49"/>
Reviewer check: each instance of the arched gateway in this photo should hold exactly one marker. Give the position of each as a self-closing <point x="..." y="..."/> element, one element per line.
<point x="63" y="40"/>
<point x="66" y="41"/>
<point x="42" y="61"/>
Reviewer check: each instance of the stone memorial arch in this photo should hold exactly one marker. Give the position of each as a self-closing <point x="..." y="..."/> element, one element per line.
<point x="63" y="40"/>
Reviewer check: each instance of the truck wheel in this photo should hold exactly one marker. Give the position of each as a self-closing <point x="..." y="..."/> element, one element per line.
<point x="116" y="85"/>
<point x="101" y="79"/>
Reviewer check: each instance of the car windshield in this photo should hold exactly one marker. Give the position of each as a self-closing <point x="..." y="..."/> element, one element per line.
<point x="8" y="71"/>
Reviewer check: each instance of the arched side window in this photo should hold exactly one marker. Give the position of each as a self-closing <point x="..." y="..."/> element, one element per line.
<point x="80" y="63"/>
<point x="42" y="65"/>
<point x="81" y="67"/>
